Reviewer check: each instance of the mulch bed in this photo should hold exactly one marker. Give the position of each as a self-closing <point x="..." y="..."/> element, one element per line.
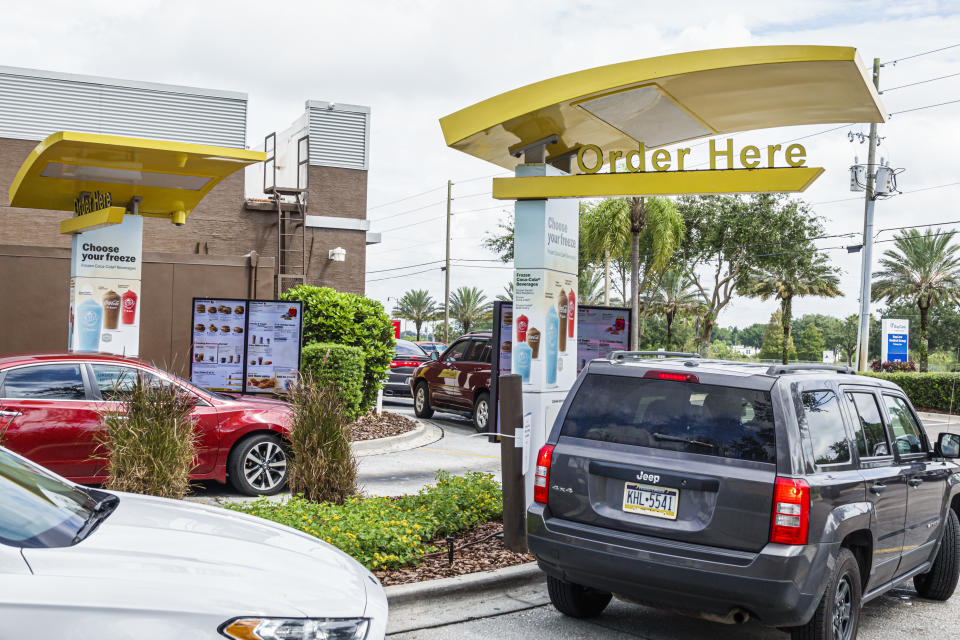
<point x="372" y="426"/>
<point x="476" y="550"/>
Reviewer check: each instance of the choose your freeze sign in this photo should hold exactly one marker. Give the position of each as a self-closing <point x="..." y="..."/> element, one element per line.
<point x="894" y="340"/>
<point x="105" y="271"/>
<point x="545" y="301"/>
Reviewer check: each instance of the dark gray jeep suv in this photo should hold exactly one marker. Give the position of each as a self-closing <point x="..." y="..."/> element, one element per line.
<point x="790" y="494"/>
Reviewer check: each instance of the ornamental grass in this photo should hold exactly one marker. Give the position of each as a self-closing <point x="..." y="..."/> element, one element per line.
<point x="149" y="440"/>
<point x="322" y="467"/>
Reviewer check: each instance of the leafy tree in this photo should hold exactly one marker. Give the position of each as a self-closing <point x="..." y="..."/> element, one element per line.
<point x="773" y="339"/>
<point x="752" y="336"/>
<point x="803" y="273"/>
<point x="811" y="344"/>
<point x="418" y="306"/>
<point x="848" y="337"/>
<point x="469" y="307"/>
<point x="674" y="295"/>
<point x="922" y="268"/>
<point x="727" y="236"/>
<point x="501" y="243"/>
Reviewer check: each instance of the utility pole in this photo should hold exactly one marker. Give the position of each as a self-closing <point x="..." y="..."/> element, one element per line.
<point x="863" y="336"/>
<point x="446" y="271"/>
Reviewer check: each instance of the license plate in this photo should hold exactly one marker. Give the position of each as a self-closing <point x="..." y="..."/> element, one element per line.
<point x="659" y="502"/>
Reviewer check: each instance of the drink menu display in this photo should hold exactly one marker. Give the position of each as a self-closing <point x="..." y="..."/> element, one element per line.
<point x="219" y="330"/>
<point x="273" y="345"/>
<point x="602" y="331"/>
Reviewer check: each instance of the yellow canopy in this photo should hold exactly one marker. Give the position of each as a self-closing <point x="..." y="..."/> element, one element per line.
<point x="171" y="178"/>
<point x="669" y="99"/>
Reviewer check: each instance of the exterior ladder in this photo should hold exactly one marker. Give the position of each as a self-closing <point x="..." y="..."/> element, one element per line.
<point x="291" y="220"/>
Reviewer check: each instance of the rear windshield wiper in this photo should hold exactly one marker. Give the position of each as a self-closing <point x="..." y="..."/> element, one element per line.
<point x="669" y="438"/>
<point x="98" y="514"/>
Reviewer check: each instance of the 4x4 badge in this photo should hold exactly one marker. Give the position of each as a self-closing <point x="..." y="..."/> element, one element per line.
<point x="643" y="476"/>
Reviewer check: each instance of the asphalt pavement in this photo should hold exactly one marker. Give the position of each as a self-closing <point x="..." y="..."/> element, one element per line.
<point x="459" y="449"/>
<point x="897" y="615"/>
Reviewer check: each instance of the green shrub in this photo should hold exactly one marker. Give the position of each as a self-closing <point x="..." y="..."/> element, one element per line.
<point x="937" y="391"/>
<point x="346" y="318"/>
<point x="385" y="533"/>
<point x="149" y="442"/>
<point x="338" y="365"/>
<point x="322" y="467"/>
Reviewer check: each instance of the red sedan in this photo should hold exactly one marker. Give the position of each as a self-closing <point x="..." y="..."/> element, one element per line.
<point x="50" y="405"/>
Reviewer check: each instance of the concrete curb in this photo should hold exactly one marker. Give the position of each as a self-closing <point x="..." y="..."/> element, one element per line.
<point x="436" y="603"/>
<point x="469" y="583"/>
<point x="421" y="435"/>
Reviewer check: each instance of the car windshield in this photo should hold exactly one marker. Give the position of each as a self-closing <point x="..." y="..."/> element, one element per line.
<point x="36" y="508"/>
<point x="677" y="416"/>
<point x="405" y="348"/>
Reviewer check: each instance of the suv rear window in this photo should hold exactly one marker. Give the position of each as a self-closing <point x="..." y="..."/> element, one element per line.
<point x="677" y="416"/>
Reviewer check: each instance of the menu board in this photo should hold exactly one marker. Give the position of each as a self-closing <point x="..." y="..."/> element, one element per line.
<point x="219" y="331"/>
<point x="602" y="330"/>
<point x="504" y="344"/>
<point x="273" y="345"/>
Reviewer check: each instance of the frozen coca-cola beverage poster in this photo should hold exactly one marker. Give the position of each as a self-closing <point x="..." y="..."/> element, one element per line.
<point x="105" y="316"/>
<point x="544" y="331"/>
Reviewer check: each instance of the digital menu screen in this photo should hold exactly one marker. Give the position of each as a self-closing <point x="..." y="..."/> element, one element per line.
<point x="602" y="331"/>
<point x="219" y="330"/>
<point x="273" y="345"/>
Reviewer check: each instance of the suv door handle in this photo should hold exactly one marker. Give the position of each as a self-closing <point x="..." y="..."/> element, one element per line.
<point x="10" y="414"/>
<point x="877" y="488"/>
<point x="915" y="482"/>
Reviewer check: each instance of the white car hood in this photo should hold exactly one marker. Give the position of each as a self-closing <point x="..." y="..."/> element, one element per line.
<point x="170" y="555"/>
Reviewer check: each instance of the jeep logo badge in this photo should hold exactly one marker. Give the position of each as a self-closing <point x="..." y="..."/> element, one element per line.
<point x="643" y="476"/>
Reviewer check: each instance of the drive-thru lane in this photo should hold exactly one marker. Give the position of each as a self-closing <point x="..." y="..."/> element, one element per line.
<point x="897" y="615"/>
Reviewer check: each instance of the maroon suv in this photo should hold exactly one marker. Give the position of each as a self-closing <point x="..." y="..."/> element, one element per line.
<point x="51" y="404"/>
<point x="458" y="381"/>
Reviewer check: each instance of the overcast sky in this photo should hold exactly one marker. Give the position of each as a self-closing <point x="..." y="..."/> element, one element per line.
<point x="413" y="62"/>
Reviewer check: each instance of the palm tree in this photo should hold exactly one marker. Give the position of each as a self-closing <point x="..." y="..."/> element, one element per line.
<point x="674" y="294"/>
<point x="469" y="306"/>
<point x="615" y="222"/>
<point x="923" y="269"/>
<point x="804" y="273"/>
<point x="417" y="306"/>
<point x="590" y="287"/>
<point x="507" y="295"/>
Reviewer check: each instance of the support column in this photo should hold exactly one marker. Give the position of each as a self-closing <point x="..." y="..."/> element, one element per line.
<point x="545" y="295"/>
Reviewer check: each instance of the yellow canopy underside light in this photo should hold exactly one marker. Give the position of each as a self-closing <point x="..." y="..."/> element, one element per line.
<point x="670" y="99"/>
<point x="171" y="178"/>
<point x="657" y="183"/>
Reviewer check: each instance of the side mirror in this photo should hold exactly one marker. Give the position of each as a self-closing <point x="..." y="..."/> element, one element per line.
<point x="947" y="446"/>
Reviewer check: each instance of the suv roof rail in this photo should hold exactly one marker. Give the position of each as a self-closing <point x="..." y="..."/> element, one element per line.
<point x="621" y="355"/>
<point x="778" y="369"/>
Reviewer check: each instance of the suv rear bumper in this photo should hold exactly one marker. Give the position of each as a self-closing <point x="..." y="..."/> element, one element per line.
<point x="781" y="585"/>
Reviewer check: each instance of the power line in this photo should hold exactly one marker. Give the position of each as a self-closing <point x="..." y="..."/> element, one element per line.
<point x="917" y="55"/>
<point x="936" y="186"/>
<point x="403" y="275"/>
<point x="913" y="84"/>
<point x="404" y="199"/>
<point x="413" y="224"/>
<point x="403" y="213"/>
<point x="929" y="106"/>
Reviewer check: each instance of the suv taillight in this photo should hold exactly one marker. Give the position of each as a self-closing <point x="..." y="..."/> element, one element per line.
<point x="790" y="523"/>
<point x="541" y="481"/>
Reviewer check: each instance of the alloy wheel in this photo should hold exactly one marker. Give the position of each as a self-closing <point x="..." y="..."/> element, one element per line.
<point x="265" y="466"/>
<point x="421" y="398"/>
<point x="483" y="414"/>
<point x="843" y="610"/>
